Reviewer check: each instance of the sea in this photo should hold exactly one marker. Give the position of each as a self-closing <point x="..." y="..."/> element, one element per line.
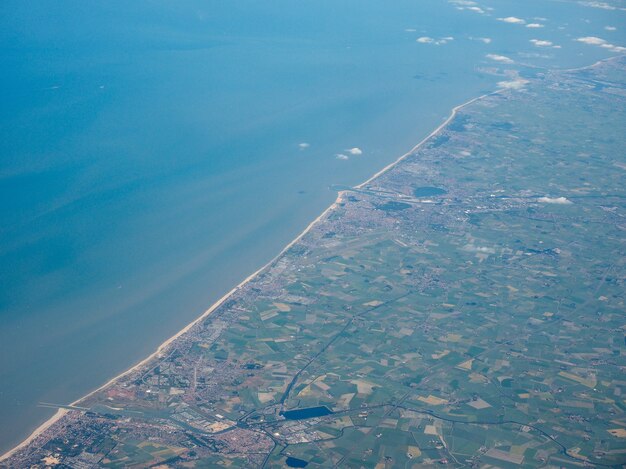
<point x="153" y="154"/>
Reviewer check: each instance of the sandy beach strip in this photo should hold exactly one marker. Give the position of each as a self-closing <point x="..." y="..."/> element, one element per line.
<point x="443" y="125"/>
<point x="161" y="348"/>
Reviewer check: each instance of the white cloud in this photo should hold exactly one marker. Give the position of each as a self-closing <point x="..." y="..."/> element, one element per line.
<point x="480" y="249"/>
<point x="410" y="30"/>
<point x="355" y="151"/>
<point x="541" y="43"/>
<point x="534" y="25"/>
<point x="513" y="84"/>
<point x="610" y="28"/>
<point x="602" y="5"/>
<point x="437" y="42"/>
<point x="303" y="145"/>
<point x="613" y="48"/>
<point x="534" y="55"/>
<point x="554" y="200"/>
<point x="595" y="41"/>
<point x="485" y="40"/>
<point x="469" y="5"/>
<point x="512" y="20"/>
<point x="500" y="58"/>
<point x="341" y="156"/>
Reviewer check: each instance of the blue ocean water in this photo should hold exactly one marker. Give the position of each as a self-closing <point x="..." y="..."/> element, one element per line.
<point x="151" y="152"/>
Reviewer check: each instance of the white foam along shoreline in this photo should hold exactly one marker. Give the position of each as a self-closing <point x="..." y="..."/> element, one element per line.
<point x="61" y="412"/>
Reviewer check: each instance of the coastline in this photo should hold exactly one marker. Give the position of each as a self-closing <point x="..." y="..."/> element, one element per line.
<point x="61" y="412"/>
<point x="443" y="125"/>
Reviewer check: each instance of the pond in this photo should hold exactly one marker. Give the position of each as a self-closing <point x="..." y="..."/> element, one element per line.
<point x="428" y="191"/>
<point x="295" y="462"/>
<point x="308" y="413"/>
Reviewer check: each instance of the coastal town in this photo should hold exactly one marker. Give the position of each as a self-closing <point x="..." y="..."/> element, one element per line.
<point x="464" y="308"/>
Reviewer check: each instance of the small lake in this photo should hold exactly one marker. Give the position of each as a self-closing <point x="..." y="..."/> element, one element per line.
<point x="428" y="191"/>
<point x="308" y="413"/>
<point x="393" y="206"/>
<point x="295" y="462"/>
